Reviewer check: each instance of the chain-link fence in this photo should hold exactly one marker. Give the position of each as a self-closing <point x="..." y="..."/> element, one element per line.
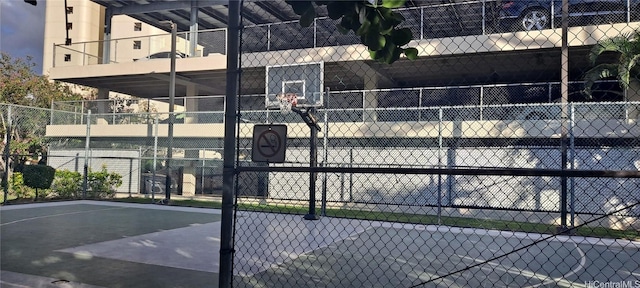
<point x="481" y="163"/>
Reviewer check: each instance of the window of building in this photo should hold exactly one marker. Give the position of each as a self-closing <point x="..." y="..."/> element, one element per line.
<point x="69" y="9"/>
<point x="137" y="45"/>
<point x="67" y="57"/>
<point x="69" y="26"/>
<point x="137" y="26"/>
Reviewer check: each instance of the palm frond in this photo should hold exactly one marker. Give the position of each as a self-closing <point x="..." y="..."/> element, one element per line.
<point x="625" y="71"/>
<point x="626" y="45"/>
<point x="599" y="72"/>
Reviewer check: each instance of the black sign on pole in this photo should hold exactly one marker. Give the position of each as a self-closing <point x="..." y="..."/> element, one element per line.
<point x="269" y="143"/>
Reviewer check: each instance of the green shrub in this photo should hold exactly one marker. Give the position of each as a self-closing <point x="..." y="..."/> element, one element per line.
<point x="67" y="184"/>
<point x="17" y="187"/>
<point x="103" y="184"/>
<point x="38" y="176"/>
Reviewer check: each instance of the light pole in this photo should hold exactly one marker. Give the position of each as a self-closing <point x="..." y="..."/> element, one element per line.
<point x="172" y="94"/>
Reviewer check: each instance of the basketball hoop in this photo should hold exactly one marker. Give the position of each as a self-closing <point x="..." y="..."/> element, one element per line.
<point x="287" y="101"/>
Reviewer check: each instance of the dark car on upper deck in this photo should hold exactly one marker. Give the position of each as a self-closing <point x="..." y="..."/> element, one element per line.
<point x="527" y="15"/>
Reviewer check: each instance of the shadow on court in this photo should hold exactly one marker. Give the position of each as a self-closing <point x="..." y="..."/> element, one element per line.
<point x="284" y="250"/>
<point x="88" y="244"/>
<point x="39" y="240"/>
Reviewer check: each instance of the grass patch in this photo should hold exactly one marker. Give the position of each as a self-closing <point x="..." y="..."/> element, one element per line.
<point x="489" y="224"/>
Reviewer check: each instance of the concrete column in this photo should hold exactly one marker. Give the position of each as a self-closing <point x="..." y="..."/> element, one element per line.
<point x="372" y="79"/>
<point x="102" y="106"/>
<point x="106" y="53"/>
<point x="193" y="29"/>
<point x="370" y="97"/>
<point x="191" y="104"/>
<point x="189" y="173"/>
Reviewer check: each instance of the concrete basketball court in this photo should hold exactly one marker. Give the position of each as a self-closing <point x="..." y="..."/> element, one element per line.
<point x="108" y="244"/>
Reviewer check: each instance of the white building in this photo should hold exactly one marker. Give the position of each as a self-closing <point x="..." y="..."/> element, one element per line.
<point x="466" y="64"/>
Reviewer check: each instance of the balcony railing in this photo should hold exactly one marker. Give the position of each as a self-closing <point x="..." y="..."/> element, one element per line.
<point x="426" y="22"/>
<point x="605" y="111"/>
<point x="491" y="102"/>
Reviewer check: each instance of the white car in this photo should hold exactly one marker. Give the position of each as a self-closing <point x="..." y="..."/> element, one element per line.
<point x="161" y="55"/>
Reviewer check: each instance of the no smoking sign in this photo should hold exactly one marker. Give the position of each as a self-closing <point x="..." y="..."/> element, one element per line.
<point x="269" y="143"/>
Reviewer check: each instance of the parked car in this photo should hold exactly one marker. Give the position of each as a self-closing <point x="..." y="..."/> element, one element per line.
<point x="159" y="55"/>
<point x="158" y="186"/>
<point x="536" y="14"/>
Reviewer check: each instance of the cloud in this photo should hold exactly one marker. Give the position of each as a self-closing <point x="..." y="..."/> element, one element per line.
<point x="22" y="30"/>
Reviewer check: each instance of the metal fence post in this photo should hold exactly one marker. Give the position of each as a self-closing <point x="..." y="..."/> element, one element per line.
<point x="421" y="23"/>
<point x="351" y="175"/>
<point x="7" y="156"/>
<point x="439" y="165"/>
<point x="82" y="111"/>
<point x="484" y="17"/>
<point x="130" y="174"/>
<point x="155" y="158"/>
<point x="268" y="37"/>
<point x="325" y="157"/>
<point x="564" y="88"/>
<point x="553" y="12"/>
<point x="315" y="32"/>
<point x="572" y="155"/>
<point x="85" y="181"/>
<point x="481" y="102"/>
<point x="628" y="11"/>
<point x="51" y="116"/>
<point x="229" y="153"/>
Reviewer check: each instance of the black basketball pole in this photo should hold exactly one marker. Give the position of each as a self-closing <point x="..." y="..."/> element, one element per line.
<point x="313" y="163"/>
<point x="312" y="122"/>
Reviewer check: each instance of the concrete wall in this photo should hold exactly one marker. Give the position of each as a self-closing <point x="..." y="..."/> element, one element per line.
<point x="124" y="162"/>
<point x="592" y="195"/>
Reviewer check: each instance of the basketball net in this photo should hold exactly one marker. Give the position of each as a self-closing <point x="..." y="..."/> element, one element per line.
<point x="287" y="101"/>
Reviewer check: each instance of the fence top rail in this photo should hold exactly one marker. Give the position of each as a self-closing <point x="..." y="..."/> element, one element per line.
<point x="361" y="91"/>
<point x="26" y="107"/>
<point x="451" y="171"/>
<point x="138" y="37"/>
<point x="421" y="7"/>
<point x="164" y="115"/>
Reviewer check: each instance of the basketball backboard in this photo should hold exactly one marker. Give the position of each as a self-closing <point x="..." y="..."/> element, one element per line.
<point x="300" y="84"/>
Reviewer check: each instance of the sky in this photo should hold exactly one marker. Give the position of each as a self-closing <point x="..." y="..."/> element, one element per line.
<point x="22" y="30"/>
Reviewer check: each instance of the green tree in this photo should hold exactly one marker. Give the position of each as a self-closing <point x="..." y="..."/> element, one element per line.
<point x="38" y="177"/>
<point x="373" y="20"/>
<point x="19" y="85"/>
<point x="623" y="65"/>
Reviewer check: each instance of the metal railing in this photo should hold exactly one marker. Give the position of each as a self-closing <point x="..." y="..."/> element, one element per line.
<point x="518" y="101"/>
<point x="426" y="22"/>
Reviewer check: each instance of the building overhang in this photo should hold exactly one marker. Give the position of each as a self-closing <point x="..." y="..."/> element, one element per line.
<point x="497" y="58"/>
<point x="150" y="79"/>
